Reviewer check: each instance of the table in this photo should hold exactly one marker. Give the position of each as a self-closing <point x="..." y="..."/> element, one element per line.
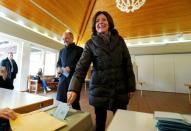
<point x="77" y="121"/>
<point x="125" y="120"/>
<point x="189" y="91"/>
<point x="22" y="102"/>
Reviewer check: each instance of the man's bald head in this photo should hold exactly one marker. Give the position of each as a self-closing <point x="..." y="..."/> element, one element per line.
<point x="67" y="38"/>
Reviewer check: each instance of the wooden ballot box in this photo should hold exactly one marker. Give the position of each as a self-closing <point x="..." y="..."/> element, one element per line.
<point x="76" y="120"/>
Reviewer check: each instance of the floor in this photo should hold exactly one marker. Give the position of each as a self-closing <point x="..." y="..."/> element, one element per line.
<point x="149" y="102"/>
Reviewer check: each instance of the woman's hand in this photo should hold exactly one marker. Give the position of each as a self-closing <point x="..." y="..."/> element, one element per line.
<point x="7" y="114"/>
<point x="71" y="97"/>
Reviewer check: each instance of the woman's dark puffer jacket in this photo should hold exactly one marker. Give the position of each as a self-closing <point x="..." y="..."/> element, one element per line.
<point x="112" y="75"/>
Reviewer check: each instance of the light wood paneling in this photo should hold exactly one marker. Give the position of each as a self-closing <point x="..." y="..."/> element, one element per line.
<point x="155" y="18"/>
<point x="55" y="15"/>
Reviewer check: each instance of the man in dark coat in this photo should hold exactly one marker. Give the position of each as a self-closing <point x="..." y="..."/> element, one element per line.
<point x="11" y="66"/>
<point x="68" y="58"/>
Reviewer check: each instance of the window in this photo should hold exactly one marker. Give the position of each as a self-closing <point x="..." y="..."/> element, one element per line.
<point x="35" y="62"/>
<point x="42" y="59"/>
<point x="50" y="63"/>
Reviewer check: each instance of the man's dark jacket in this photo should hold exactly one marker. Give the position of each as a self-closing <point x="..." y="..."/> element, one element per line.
<point x="69" y="56"/>
<point x="7" y="64"/>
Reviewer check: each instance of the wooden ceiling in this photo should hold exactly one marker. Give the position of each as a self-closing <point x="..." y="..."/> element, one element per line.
<point x="155" y="18"/>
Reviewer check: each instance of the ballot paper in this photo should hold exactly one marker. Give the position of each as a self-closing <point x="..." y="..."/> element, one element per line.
<point x="66" y="74"/>
<point x="61" y="111"/>
<point x="36" y="121"/>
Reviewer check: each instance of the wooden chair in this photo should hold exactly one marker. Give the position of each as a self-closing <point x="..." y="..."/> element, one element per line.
<point x="33" y="85"/>
<point x="188" y="85"/>
<point x="141" y="85"/>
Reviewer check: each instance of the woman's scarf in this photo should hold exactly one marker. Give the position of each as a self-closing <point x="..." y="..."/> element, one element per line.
<point x="105" y="36"/>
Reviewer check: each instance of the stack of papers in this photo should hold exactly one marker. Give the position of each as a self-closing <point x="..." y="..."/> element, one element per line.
<point x="36" y="121"/>
<point x="168" y="121"/>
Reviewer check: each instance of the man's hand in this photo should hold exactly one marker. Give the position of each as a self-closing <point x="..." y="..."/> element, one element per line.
<point x="71" y="97"/>
<point x="7" y="114"/>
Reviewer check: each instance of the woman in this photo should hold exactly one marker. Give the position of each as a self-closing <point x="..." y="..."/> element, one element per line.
<point x="112" y="76"/>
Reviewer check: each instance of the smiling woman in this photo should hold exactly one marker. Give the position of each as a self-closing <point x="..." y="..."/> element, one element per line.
<point x="112" y="77"/>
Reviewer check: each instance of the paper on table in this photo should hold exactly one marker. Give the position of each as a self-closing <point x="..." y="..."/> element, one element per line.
<point x="36" y="121"/>
<point x="166" y="115"/>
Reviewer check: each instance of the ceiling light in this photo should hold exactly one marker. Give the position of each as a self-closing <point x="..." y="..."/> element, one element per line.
<point x="159" y="40"/>
<point x="165" y="40"/>
<point x="46" y="34"/>
<point x="2" y="14"/>
<point x="20" y="22"/>
<point x="179" y="37"/>
<point x="35" y="29"/>
<point x="129" y="5"/>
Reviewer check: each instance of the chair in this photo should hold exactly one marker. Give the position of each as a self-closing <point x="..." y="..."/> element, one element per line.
<point x="33" y="85"/>
<point x="141" y="85"/>
<point x="189" y="91"/>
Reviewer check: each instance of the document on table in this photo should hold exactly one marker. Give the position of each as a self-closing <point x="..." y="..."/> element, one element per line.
<point x="171" y="121"/>
<point x="36" y="121"/>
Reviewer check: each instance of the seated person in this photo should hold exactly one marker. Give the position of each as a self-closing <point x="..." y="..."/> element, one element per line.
<point x="42" y="81"/>
<point x="4" y="81"/>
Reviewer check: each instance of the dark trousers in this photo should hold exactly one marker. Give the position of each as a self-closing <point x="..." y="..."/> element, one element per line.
<point x="62" y="92"/>
<point x="101" y="116"/>
<point x="4" y="125"/>
<point x="12" y="78"/>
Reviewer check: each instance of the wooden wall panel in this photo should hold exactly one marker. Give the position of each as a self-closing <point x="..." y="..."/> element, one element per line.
<point x="182" y="66"/>
<point x="145" y="71"/>
<point x="155" y="18"/>
<point x="167" y="73"/>
<point x="164" y="77"/>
